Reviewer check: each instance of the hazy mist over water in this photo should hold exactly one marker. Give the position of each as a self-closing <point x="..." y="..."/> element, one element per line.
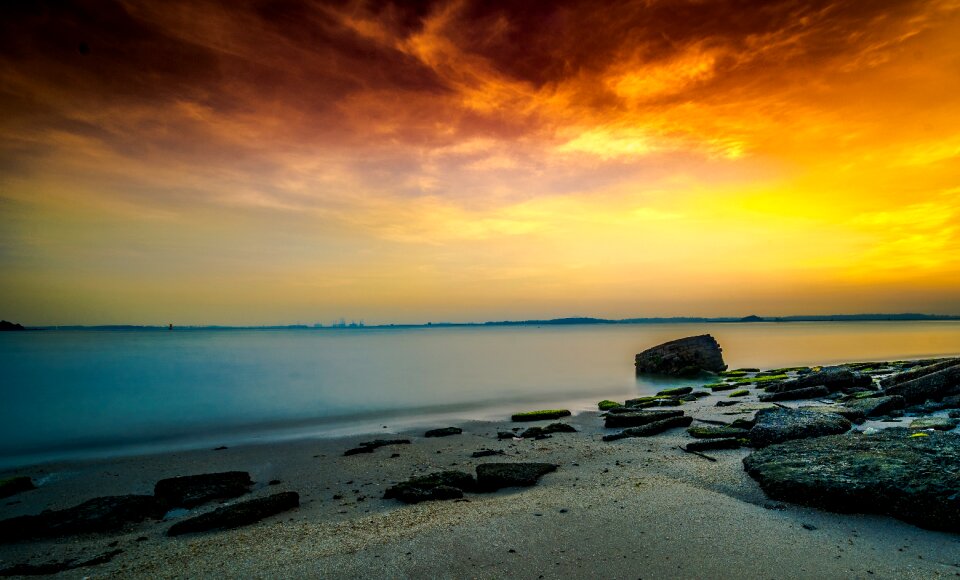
<point x="83" y="392"/>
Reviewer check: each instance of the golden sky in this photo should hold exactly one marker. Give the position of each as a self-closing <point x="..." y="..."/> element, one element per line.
<point x="278" y="162"/>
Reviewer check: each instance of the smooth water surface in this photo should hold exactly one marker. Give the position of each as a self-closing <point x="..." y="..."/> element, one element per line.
<point x="75" y="393"/>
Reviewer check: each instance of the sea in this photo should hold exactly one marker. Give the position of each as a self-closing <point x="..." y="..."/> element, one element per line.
<point x="78" y="394"/>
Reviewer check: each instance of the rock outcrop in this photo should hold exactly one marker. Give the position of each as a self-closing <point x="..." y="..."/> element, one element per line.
<point x="494" y="476"/>
<point x="443" y="432"/>
<point x="654" y="428"/>
<point x="193" y="490"/>
<point x="6" y="325"/>
<point x="832" y="378"/>
<point x="684" y="357"/>
<point x="98" y="515"/>
<point x="436" y="486"/>
<point x="778" y="424"/>
<point x="15" y="485"/>
<point x="890" y="472"/>
<point x="239" y="514"/>
<point x="935" y="385"/>
<point x="637" y="418"/>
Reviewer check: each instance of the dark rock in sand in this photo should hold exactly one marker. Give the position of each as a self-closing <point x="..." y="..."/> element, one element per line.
<point x="650" y="429"/>
<point x="876" y="406"/>
<point x="833" y="378"/>
<point x="917" y="372"/>
<point x="777" y="425"/>
<point x="911" y="478"/>
<point x="937" y="423"/>
<point x="549" y="429"/>
<point x="443" y="432"/>
<point x="49" y="568"/>
<point x="793" y="395"/>
<point x="494" y="476"/>
<point x="99" y="515"/>
<point x="646" y="402"/>
<point x="15" y="485"/>
<point x="505" y="435"/>
<point x="712" y="444"/>
<point x="716" y="432"/>
<point x="193" y="490"/>
<point x="7" y="326"/>
<point x="676" y="392"/>
<point x="371" y="446"/>
<point x="436" y="486"/>
<point x="237" y="515"/>
<point x="935" y="386"/>
<point x="684" y="357"/>
<point x="743" y="423"/>
<point x="727" y="403"/>
<point x="486" y="453"/>
<point x="637" y="418"/>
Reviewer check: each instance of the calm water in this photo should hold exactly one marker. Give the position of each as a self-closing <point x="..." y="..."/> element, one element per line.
<point x="82" y="393"/>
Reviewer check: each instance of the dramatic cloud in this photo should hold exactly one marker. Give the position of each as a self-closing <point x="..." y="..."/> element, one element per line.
<point x="274" y="161"/>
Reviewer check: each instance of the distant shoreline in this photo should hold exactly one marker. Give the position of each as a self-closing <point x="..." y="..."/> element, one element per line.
<point x="576" y="321"/>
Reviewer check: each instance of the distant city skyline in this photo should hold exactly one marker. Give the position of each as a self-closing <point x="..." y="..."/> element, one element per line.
<point x="234" y="163"/>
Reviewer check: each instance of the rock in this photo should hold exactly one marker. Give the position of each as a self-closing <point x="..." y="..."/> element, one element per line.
<point x="936" y="386"/>
<point x="98" y="515"/>
<point x="716" y="432"/>
<point x="637" y="418"/>
<point x="5" y="326"/>
<point x="777" y="425"/>
<point x="917" y="372"/>
<point x="743" y="423"/>
<point x="49" y="568"/>
<point x="852" y="415"/>
<point x="684" y="357"/>
<point x="938" y="423"/>
<point x="649" y="429"/>
<point x="675" y="392"/>
<point x="712" y="444"/>
<point x="436" y="486"/>
<point x="494" y="476"/>
<point x="833" y="378"/>
<point x="549" y="429"/>
<point x="15" y="485"/>
<point x="443" y="432"/>
<point x="371" y="446"/>
<point x="876" y="406"/>
<point x="239" y="514"/>
<point x="505" y="435"/>
<point x="727" y="403"/>
<point x="805" y="393"/>
<point x="540" y="415"/>
<point x="486" y="453"/>
<point x="607" y="404"/>
<point x="889" y="472"/>
<point x="193" y="490"/>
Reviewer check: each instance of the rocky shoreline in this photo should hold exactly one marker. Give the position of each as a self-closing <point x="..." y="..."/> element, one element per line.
<point x="813" y="437"/>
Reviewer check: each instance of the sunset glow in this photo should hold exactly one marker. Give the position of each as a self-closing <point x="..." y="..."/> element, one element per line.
<point x="259" y="163"/>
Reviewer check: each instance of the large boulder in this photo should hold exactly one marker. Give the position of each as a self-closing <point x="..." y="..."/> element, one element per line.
<point x="779" y="424"/>
<point x="915" y="479"/>
<point x="935" y="386"/>
<point x="494" y="476"/>
<point x="193" y="490"/>
<point x="684" y="357"/>
<point x="98" y="515"/>
<point x="239" y="514"/>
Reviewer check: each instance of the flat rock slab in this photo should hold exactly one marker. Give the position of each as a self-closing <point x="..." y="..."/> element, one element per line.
<point x="443" y="432"/>
<point x="936" y="423"/>
<point x="371" y="446"/>
<point x="98" y="515"/>
<point x="833" y="378"/>
<point x="55" y="567"/>
<point x="936" y="386"/>
<point x="712" y="444"/>
<point x="193" y="490"/>
<point x="494" y="476"/>
<point x="676" y="392"/>
<point x="796" y="394"/>
<point x="915" y="479"/>
<point x="716" y="432"/>
<point x="237" y="515"/>
<point x="778" y="424"/>
<point x="540" y="415"/>
<point x="15" y="485"/>
<point x="534" y="432"/>
<point x="651" y="429"/>
<point x="683" y="357"/>
<point x="876" y="406"/>
<point x="436" y="486"/>
<point x="637" y="418"/>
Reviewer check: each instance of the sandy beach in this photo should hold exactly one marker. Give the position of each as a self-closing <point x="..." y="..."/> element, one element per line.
<point x="634" y="508"/>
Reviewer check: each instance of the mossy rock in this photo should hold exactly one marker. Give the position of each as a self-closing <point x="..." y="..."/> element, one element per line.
<point x="739" y="393"/>
<point x="712" y="385"/>
<point x="540" y="415"/>
<point x="746" y="370"/>
<point x="938" y="423"/>
<point x="733" y="373"/>
<point x="606" y="405"/>
<point x="723" y="387"/>
<point x="715" y="432"/>
<point x="675" y="392"/>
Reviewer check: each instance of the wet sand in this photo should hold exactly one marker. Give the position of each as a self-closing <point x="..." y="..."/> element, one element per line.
<point x="634" y="508"/>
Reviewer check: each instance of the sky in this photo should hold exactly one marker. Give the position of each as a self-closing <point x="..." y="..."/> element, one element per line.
<point x="239" y="162"/>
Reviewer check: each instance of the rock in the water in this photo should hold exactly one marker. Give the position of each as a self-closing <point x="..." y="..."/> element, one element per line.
<point x="540" y="415"/>
<point x="716" y="432"/>
<point x="876" y="406"/>
<point x="936" y="386"/>
<point x="637" y="418"/>
<point x="650" y="429"/>
<point x="98" y="515"/>
<point x="436" y="486"/>
<point x="14" y="485"/>
<point x="371" y="446"/>
<point x="239" y="514"/>
<point x="833" y="378"/>
<point x="911" y="478"/>
<point x="937" y="423"/>
<point x="494" y="476"/>
<point x="795" y="394"/>
<point x="549" y="429"/>
<point x="443" y="432"/>
<point x="712" y="444"/>
<point x="193" y="490"/>
<point x="777" y="425"/>
<point x="684" y="357"/>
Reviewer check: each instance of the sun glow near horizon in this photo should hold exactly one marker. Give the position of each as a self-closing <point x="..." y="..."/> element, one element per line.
<point x="244" y="164"/>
